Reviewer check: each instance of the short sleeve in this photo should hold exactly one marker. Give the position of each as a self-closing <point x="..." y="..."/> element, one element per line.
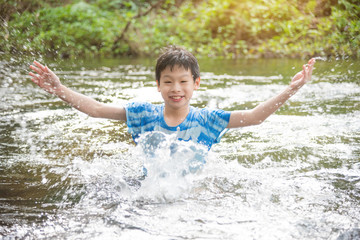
<point x="141" y="117"/>
<point x="216" y="123"/>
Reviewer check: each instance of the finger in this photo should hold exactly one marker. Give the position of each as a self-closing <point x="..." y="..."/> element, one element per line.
<point x="35" y="81"/>
<point x="48" y="70"/>
<point x="307" y="71"/>
<point x="310" y="72"/>
<point x="304" y="72"/>
<point x="34" y="78"/>
<point x="33" y="75"/>
<point x="312" y="61"/>
<point x="39" y="65"/>
<point x="39" y="71"/>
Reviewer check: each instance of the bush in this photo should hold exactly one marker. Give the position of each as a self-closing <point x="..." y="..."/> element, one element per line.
<point x="71" y="30"/>
<point x="212" y="28"/>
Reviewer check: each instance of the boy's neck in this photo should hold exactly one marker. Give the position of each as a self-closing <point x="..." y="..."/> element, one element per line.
<point x="174" y="117"/>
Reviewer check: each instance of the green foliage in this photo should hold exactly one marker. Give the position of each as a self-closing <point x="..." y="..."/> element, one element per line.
<point x="212" y="28"/>
<point x="70" y="30"/>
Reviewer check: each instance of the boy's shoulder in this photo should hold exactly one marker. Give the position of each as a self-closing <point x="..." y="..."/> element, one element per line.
<point x="142" y="106"/>
<point x="139" y="114"/>
<point x="208" y="110"/>
<point x="210" y="114"/>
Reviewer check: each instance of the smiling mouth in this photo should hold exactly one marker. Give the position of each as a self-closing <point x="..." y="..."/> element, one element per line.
<point x="176" y="98"/>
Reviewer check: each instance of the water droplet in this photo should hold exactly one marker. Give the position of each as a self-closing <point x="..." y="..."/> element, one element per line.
<point x="44" y="180"/>
<point x="320" y="58"/>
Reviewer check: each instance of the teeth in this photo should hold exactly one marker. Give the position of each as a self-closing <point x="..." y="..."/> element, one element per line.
<point x="176" y="97"/>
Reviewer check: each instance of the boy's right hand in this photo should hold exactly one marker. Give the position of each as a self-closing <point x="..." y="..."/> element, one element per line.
<point x="45" y="78"/>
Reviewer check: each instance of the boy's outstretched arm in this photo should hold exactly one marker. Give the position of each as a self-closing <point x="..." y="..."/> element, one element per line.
<point x="48" y="81"/>
<point x="265" y="109"/>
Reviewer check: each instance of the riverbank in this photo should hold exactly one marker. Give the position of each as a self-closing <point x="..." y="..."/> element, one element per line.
<point x="218" y="29"/>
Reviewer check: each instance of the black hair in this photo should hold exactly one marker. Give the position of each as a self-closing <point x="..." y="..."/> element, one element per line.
<point x="175" y="55"/>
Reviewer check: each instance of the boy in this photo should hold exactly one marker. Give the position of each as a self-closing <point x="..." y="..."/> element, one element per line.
<point x="177" y="76"/>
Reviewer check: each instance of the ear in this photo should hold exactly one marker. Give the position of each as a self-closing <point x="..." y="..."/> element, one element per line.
<point x="197" y="83"/>
<point x="158" y="85"/>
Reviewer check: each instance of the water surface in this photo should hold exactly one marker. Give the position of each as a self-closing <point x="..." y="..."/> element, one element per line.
<point x="296" y="176"/>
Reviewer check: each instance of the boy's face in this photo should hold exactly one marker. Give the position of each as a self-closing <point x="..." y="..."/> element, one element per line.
<point x="177" y="87"/>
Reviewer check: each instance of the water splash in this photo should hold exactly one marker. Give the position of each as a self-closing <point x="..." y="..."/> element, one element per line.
<point x="169" y="165"/>
<point x="320" y="58"/>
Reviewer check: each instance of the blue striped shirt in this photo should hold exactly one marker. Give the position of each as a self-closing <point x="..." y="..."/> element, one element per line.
<point x="204" y="126"/>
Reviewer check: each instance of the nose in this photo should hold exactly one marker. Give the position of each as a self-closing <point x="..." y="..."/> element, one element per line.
<point x="176" y="87"/>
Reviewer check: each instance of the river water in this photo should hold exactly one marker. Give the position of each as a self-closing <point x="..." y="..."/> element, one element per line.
<point x="64" y="175"/>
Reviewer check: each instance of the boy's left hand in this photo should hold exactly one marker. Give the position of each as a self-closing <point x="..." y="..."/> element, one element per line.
<point x="303" y="76"/>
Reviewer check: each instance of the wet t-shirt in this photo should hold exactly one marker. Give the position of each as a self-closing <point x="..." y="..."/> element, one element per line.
<point x="204" y="126"/>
